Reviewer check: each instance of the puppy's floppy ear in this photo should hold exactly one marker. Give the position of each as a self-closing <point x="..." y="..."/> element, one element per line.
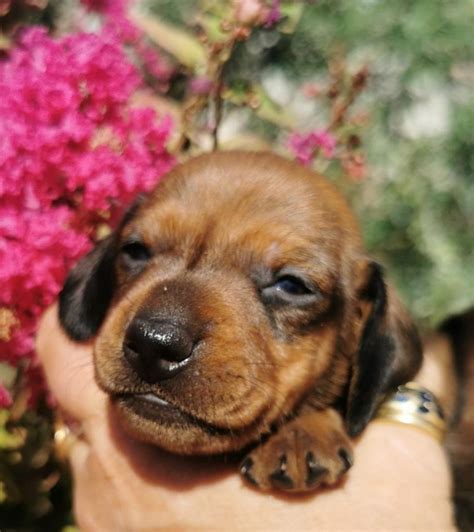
<point x="389" y="351"/>
<point x="88" y="291"/>
<point x="86" y="296"/>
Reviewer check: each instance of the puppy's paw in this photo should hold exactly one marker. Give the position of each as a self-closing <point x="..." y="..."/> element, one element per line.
<point x="308" y="452"/>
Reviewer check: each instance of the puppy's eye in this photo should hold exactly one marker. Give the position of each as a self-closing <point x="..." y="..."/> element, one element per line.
<point x="291" y="285"/>
<point x="290" y="289"/>
<point x="135" y="253"/>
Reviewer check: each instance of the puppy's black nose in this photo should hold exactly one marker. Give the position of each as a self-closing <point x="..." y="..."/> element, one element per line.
<point x="157" y="349"/>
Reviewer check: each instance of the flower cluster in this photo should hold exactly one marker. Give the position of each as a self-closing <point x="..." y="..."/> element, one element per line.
<point x="305" y="146"/>
<point x="117" y="23"/>
<point x="73" y="151"/>
<point x="257" y="12"/>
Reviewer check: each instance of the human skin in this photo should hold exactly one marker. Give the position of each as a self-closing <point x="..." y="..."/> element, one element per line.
<point x="400" y="479"/>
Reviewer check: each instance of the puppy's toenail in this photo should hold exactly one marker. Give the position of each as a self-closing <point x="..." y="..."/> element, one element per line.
<point x="245" y="468"/>
<point x="314" y="470"/>
<point x="279" y="478"/>
<point x="346" y="458"/>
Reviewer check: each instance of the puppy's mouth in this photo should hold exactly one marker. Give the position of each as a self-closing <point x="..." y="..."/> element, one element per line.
<point x="161" y="412"/>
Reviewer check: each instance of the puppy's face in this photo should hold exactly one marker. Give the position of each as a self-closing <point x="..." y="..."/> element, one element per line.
<point x="234" y="292"/>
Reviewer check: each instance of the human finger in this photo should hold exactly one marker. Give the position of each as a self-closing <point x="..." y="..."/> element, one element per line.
<point x="69" y="370"/>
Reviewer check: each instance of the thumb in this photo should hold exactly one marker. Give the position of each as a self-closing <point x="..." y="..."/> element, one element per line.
<point x="69" y="370"/>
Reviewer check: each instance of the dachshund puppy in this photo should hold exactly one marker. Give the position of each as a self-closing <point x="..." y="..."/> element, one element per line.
<point x="235" y="309"/>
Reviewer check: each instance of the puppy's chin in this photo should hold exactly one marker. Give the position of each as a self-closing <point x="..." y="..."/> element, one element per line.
<point x="155" y="421"/>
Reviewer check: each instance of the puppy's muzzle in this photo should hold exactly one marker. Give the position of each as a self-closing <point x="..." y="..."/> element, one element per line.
<point x="157" y="349"/>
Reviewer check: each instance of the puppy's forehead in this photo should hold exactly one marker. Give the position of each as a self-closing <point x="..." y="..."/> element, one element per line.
<point x="248" y="199"/>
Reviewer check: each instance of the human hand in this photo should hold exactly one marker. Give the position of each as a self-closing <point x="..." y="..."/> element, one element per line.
<point x="400" y="479"/>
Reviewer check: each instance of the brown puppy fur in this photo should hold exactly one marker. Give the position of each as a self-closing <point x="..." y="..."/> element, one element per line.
<point x="283" y="333"/>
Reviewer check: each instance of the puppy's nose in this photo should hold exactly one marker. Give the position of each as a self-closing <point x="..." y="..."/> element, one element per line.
<point x="157" y="349"/>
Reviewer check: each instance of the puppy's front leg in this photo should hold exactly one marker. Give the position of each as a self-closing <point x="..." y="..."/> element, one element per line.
<point x="309" y="451"/>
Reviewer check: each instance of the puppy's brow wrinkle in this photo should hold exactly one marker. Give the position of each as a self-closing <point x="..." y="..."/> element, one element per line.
<point x="198" y="249"/>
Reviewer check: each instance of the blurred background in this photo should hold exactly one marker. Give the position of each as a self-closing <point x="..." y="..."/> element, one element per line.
<point x="415" y="198"/>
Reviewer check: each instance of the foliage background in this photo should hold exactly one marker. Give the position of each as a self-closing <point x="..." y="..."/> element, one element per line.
<point x="416" y="203"/>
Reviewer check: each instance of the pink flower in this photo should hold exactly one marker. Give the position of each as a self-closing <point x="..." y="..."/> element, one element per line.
<point x="5" y="397"/>
<point x="273" y="14"/>
<point x="355" y="166"/>
<point x="154" y="63"/>
<point x="257" y="12"/>
<point x="117" y="24"/>
<point x="72" y="148"/>
<point x="99" y="5"/>
<point x="306" y="146"/>
<point x="248" y="12"/>
<point x="325" y="141"/>
<point x="201" y="85"/>
<point x="311" y="90"/>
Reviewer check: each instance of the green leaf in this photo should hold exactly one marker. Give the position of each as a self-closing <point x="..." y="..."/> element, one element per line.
<point x="272" y="112"/>
<point x="236" y="94"/>
<point x="264" y="107"/>
<point x="8" y="374"/>
<point x="291" y="11"/>
<point x="4" y="415"/>
<point x="179" y="43"/>
<point x="9" y="441"/>
<point x="212" y="27"/>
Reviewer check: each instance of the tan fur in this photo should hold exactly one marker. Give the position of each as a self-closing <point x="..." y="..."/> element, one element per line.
<point x="213" y="224"/>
